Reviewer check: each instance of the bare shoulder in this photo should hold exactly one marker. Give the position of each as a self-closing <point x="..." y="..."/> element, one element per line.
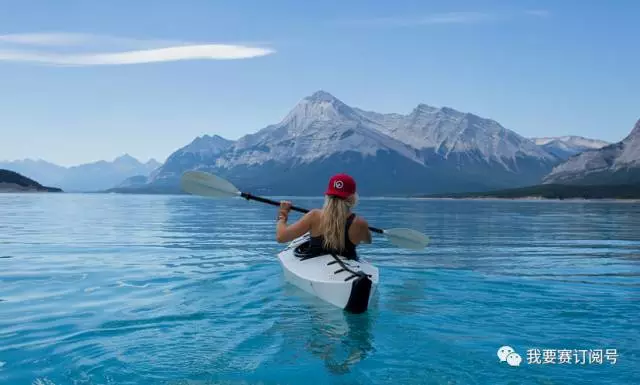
<point x="361" y="223"/>
<point x="314" y="215"/>
<point x="362" y="228"/>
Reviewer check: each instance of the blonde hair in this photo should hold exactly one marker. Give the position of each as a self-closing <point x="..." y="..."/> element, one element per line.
<point x="334" y="217"/>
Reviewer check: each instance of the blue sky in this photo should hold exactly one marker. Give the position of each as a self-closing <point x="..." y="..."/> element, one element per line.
<point x="76" y="86"/>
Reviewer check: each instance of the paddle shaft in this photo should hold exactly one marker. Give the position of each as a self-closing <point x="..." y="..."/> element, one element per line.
<point x="248" y="196"/>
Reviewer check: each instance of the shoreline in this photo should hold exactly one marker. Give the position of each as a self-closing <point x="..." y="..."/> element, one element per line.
<point x="536" y="199"/>
<point x="364" y="198"/>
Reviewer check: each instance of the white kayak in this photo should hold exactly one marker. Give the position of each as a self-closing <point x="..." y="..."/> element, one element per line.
<point x="344" y="283"/>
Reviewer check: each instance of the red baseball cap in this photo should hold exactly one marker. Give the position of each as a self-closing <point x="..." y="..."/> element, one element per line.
<point x="341" y="186"/>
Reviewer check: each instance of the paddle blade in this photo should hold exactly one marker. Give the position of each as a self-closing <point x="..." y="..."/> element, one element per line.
<point x="407" y="238"/>
<point x="209" y="185"/>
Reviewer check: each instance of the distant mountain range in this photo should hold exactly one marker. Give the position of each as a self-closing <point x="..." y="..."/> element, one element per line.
<point x="617" y="163"/>
<point x="608" y="172"/>
<point x="566" y="146"/>
<point x="428" y="150"/>
<point x="96" y="176"/>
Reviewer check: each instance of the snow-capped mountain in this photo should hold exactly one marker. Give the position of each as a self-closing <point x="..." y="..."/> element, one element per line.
<point x="445" y="132"/>
<point x="202" y="150"/>
<point x="617" y="163"/>
<point x="93" y="176"/>
<point x="317" y="127"/>
<point x="566" y="146"/>
<point x="428" y="150"/>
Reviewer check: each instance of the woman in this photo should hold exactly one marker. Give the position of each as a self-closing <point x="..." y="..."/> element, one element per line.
<point x="334" y="228"/>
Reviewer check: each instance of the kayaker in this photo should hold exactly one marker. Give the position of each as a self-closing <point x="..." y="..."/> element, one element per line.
<point x="334" y="228"/>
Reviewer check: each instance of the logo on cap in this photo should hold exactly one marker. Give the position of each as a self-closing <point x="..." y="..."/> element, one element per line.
<point x="341" y="186"/>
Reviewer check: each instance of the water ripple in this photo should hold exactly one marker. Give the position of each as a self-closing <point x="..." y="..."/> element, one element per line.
<point x="111" y="289"/>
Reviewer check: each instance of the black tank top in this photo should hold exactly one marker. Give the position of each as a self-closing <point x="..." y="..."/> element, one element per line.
<point x="316" y="244"/>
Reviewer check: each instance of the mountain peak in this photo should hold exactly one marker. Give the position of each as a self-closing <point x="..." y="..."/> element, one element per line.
<point x="570" y="139"/>
<point x="322" y="96"/>
<point x="320" y="106"/>
<point x="424" y="108"/>
<point x="126" y="158"/>
<point x="210" y="140"/>
<point x="207" y="144"/>
<point x="454" y="112"/>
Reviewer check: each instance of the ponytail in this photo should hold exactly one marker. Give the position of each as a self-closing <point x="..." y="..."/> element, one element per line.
<point x="334" y="217"/>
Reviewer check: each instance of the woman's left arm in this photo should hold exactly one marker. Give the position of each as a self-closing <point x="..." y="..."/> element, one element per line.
<point x="286" y="233"/>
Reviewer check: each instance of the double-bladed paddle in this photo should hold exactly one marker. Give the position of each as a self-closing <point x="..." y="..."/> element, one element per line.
<point x="209" y="185"/>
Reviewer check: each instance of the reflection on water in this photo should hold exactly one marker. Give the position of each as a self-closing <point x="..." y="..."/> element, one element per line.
<point x="357" y="343"/>
<point x="338" y="338"/>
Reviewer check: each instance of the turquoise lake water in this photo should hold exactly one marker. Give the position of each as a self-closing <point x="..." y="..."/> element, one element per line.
<point x="119" y="289"/>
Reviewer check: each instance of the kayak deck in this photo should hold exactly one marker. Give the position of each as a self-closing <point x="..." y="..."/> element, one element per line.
<point x="337" y="280"/>
<point x="323" y="268"/>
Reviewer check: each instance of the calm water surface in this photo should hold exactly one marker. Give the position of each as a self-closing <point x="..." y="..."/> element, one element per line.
<point x="111" y="289"/>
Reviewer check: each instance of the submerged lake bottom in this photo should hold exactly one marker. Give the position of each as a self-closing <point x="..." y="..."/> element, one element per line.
<point x="143" y="289"/>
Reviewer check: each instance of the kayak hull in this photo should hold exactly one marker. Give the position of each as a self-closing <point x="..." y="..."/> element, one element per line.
<point x="347" y="284"/>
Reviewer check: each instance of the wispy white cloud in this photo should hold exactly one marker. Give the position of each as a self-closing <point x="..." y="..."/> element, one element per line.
<point x="444" y="18"/>
<point x="90" y="50"/>
<point x="86" y="40"/>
